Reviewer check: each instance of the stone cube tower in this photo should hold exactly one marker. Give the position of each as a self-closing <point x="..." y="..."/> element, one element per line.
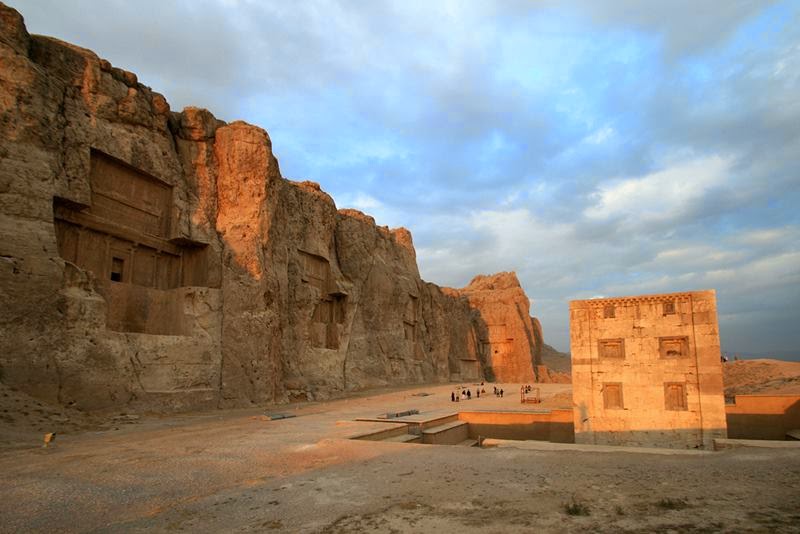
<point x="646" y="370"/>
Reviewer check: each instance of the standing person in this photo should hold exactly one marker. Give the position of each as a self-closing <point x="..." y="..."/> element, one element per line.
<point x="478" y="393"/>
<point x="501" y="393"/>
<point x="452" y="396"/>
<point x="469" y="395"/>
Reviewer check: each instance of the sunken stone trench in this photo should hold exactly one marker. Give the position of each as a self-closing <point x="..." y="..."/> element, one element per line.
<point x="156" y="259"/>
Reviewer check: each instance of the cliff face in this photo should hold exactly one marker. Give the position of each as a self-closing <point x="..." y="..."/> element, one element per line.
<point x="158" y="259"/>
<point x="511" y="346"/>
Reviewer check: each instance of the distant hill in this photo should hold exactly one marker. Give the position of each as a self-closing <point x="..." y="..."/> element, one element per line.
<point x="559" y="364"/>
<point x="761" y="376"/>
<point x="786" y="355"/>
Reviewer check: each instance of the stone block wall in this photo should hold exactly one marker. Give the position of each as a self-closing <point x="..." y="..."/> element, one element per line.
<point x="646" y="370"/>
<point x="762" y="416"/>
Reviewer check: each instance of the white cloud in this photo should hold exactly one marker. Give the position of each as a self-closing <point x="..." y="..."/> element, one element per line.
<point x="768" y="236"/>
<point x="599" y="136"/>
<point x="686" y="26"/>
<point x="359" y="200"/>
<point x="694" y="256"/>
<point x="518" y="237"/>
<point x="661" y="195"/>
<point x="780" y="270"/>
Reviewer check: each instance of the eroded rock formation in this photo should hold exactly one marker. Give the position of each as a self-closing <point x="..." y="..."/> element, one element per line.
<point x="505" y="308"/>
<point x="158" y="259"/>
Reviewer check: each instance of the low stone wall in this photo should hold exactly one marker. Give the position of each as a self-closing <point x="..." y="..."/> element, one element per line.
<point x="555" y="425"/>
<point x="451" y="433"/>
<point x="763" y="416"/>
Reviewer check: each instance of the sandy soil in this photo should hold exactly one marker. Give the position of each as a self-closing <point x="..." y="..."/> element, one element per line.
<point x="24" y="419"/>
<point x="761" y="376"/>
<point x="235" y="471"/>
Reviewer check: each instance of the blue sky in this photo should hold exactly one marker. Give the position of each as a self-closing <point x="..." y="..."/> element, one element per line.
<point x="597" y="148"/>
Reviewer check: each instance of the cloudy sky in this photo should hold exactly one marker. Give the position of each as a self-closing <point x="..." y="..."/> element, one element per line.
<point x="596" y="147"/>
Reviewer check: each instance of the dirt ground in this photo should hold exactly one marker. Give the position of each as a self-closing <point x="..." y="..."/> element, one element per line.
<point x="25" y="419"/>
<point x="235" y="471"/>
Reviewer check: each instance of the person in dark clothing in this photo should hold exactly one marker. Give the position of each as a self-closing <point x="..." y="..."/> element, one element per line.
<point x="478" y="393"/>
<point x="501" y="392"/>
<point x="469" y="395"/>
<point x="452" y="396"/>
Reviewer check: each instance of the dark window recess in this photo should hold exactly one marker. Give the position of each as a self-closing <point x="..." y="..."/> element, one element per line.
<point x="612" y="396"/>
<point x="609" y="312"/>
<point x="611" y="348"/>
<point x="328" y="315"/>
<point x="669" y="307"/>
<point x="675" y="396"/>
<point x="117" y="268"/>
<point x="673" y="347"/>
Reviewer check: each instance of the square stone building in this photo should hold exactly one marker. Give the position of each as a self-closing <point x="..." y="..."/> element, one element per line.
<point x="646" y="370"/>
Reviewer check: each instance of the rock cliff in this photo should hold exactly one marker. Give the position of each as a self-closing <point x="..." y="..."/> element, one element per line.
<point x="505" y="308"/>
<point x="158" y="259"/>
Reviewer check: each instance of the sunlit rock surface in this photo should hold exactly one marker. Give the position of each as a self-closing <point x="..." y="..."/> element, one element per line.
<point x="158" y="259"/>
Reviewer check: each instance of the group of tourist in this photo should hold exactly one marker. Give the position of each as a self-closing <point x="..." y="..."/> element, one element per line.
<point x="527" y="388"/>
<point x="466" y="393"/>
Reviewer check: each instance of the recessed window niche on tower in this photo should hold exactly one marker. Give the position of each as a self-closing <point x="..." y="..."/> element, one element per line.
<point x="611" y="348"/>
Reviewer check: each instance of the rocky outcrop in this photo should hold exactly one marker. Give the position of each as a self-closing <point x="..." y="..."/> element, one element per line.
<point x="551" y="365"/>
<point x="159" y="260"/>
<point x="511" y="344"/>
